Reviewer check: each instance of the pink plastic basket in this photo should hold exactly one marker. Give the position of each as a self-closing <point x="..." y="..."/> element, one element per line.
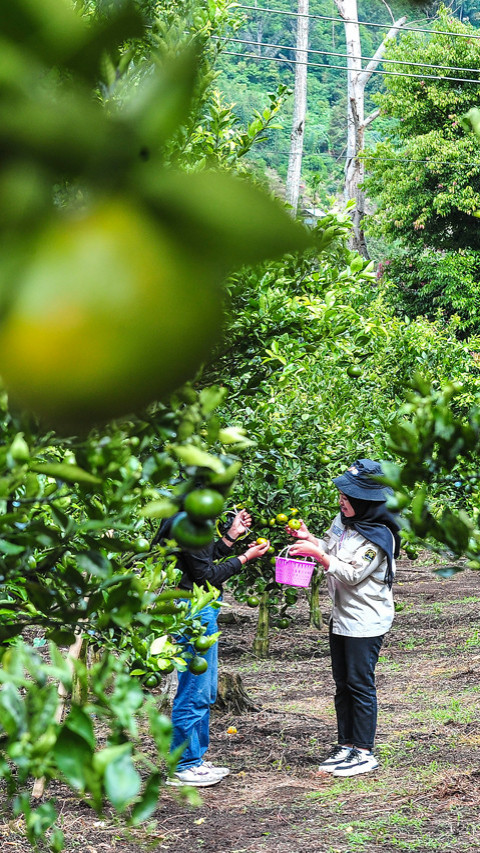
<point x="293" y="572"/>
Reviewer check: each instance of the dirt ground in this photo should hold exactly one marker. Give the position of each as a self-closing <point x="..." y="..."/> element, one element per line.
<point x="425" y="794"/>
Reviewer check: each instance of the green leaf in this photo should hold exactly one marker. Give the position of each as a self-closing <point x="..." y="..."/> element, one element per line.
<point x="64" y="471"/>
<point x="122" y="782"/>
<point x="211" y="397"/>
<point x="13" y="715"/>
<point x="194" y="456"/>
<point x="148" y="803"/>
<point x="80" y="722"/>
<point x="73" y="756"/>
<point x="159" y="509"/>
<point x="471" y="121"/>
<point x="224" y="217"/>
<point x="93" y="563"/>
<point x="10" y="549"/>
<point x="163" y="100"/>
<point x="104" y="757"/>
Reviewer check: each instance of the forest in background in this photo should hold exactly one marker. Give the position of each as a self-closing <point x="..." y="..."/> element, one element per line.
<point x="247" y="82"/>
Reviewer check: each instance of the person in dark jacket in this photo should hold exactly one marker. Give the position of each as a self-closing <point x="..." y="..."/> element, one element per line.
<point x="196" y="693"/>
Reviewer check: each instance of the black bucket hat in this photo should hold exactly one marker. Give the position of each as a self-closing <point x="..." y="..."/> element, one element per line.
<point x="357" y="481"/>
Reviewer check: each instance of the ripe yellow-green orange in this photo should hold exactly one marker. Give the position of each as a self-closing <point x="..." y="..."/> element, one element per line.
<point x="294" y="523"/>
<point x="261" y="540"/>
<point x="107" y="314"/>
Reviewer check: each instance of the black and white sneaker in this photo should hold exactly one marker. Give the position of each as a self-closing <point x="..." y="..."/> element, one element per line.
<point x="337" y="756"/>
<point x="359" y="761"/>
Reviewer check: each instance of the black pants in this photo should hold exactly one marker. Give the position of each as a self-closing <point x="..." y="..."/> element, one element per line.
<point x="353" y="668"/>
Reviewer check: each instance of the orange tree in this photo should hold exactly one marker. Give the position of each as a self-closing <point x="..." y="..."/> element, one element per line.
<point x="317" y="370"/>
<point x="103" y="311"/>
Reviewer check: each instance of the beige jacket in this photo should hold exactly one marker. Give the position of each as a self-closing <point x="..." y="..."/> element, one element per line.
<point x="362" y="601"/>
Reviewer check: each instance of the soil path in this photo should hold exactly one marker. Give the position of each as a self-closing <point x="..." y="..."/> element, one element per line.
<point x="425" y="795"/>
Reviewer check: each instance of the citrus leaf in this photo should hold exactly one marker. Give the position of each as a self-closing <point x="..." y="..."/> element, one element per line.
<point x="64" y="471"/>
<point x="194" y="456"/>
<point x="80" y="722"/>
<point x="224" y="217"/>
<point x="122" y="782"/>
<point x="147" y="805"/>
<point x="73" y="756"/>
<point x="159" y="509"/>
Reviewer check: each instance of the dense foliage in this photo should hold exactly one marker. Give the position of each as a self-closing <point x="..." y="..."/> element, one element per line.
<point x="318" y="370"/>
<point x="91" y="198"/>
<point x="264" y="45"/>
<point x="310" y="372"/>
<point x="426" y="177"/>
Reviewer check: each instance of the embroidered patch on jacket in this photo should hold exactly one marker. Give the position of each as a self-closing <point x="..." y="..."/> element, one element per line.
<point x="370" y="555"/>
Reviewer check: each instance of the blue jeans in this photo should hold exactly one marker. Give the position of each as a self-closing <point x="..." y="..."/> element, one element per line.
<point x="191" y="706"/>
<point x="353" y="668"/>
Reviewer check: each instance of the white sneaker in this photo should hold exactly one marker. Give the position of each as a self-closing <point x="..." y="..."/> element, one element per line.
<point x="198" y="777"/>
<point x="359" y="761"/>
<point x="220" y="771"/>
<point x="337" y="756"/>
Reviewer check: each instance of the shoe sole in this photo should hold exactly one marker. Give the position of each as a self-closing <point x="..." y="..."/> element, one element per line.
<point x="177" y="783"/>
<point x="343" y="774"/>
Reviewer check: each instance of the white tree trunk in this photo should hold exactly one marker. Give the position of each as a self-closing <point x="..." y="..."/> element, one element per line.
<point x="357" y="79"/>
<point x="299" y="108"/>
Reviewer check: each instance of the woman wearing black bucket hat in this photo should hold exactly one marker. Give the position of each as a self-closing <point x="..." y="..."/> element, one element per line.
<point x="358" y="556"/>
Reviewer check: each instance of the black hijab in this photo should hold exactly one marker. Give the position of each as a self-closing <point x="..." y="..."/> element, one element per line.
<point x="376" y="523"/>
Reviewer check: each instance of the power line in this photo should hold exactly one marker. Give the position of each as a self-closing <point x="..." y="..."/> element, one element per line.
<point x="437" y="77"/>
<point x="334" y="154"/>
<point x="362" y="23"/>
<point x="346" y="56"/>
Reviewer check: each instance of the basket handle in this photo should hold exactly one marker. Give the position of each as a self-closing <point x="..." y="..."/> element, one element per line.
<point x="287" y="554"/>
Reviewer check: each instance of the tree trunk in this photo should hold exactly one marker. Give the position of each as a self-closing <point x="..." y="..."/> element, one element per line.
<point x="357" y="79"/>
<point x="313" y="595"/>
<point x="292" y="191"/>
<point x="73" y="654"/>
<point x="261" y="644"/>
<point x="232" y="697"/>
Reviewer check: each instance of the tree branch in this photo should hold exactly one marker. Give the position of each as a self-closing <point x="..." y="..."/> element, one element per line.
<point x="364" y="77"/>
<point x="373" y="115"/>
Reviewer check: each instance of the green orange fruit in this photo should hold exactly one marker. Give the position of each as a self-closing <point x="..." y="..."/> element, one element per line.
<point x="202" y="644"/>
<point x="198" y="665"/>
<point x="354" y="371"/>
<point x="190" y="534"/>
<point x="203" y="504"/>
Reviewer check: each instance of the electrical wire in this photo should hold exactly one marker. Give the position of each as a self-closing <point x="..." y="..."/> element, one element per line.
<point x="361" y="23"/>
<point x="327" y="154"/>
<point x="346" y="56"/>
<point x="438" y="77"/>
